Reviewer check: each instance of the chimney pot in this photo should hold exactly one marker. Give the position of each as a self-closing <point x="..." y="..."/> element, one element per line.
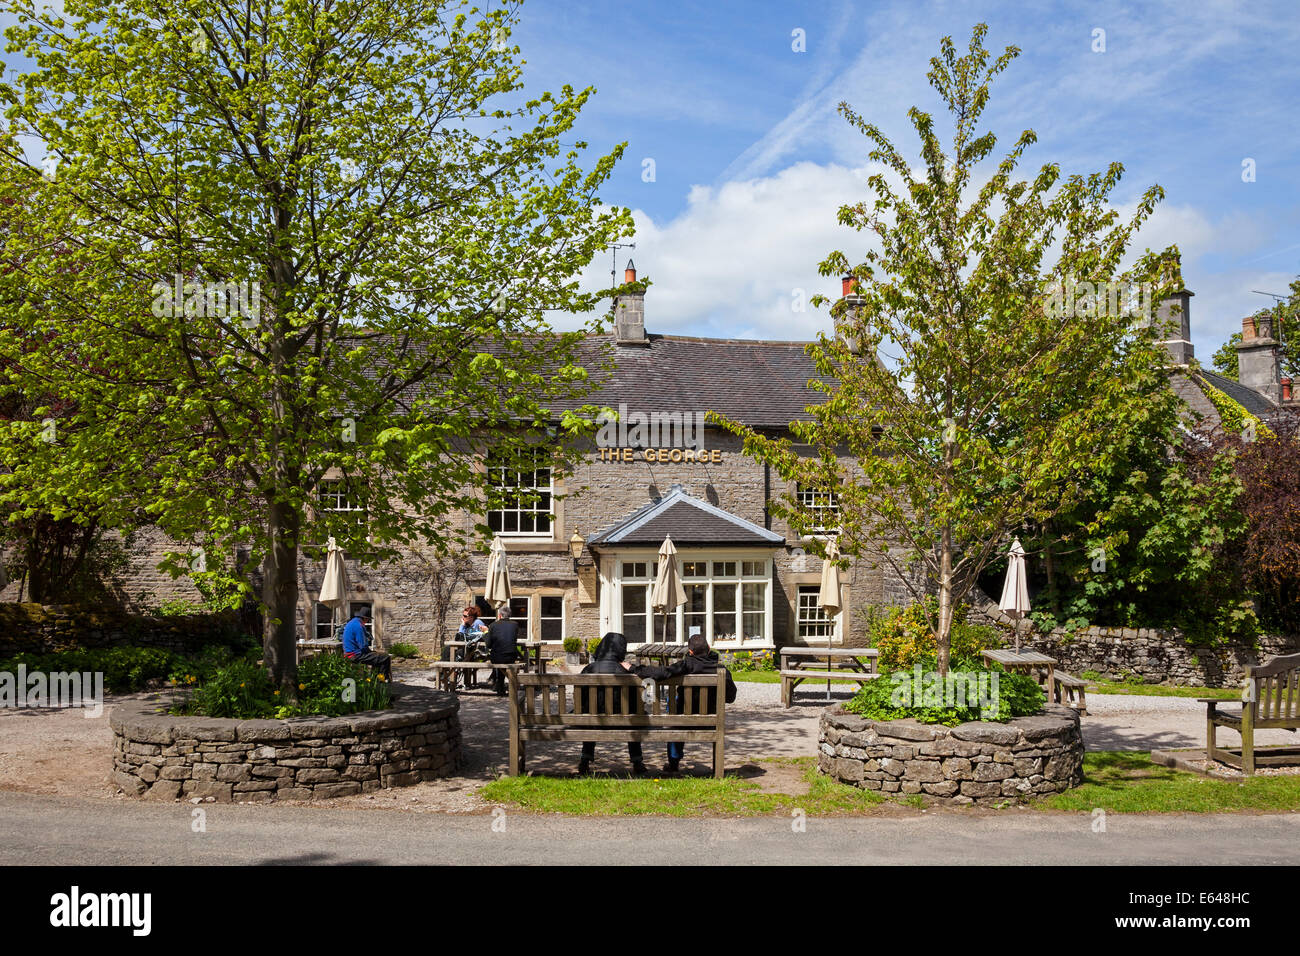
<point x="629" y="274"/>
<point x="1286" y="390"/>
<point x="848" y="285"/>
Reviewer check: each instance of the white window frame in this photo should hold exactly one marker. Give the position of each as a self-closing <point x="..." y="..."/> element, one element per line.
<point x="563" y="618"/>
<point x="764" y="558"/>
<point x="836" y="621"/>
<point x="521" y="491"/>
<point x="342" y="501"/>
<point x="809" y="505"/>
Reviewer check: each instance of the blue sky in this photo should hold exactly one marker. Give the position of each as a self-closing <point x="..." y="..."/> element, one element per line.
<point x="751" y="160"/>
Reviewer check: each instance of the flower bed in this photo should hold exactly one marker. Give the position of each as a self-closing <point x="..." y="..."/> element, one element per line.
<point x="166" y="757"/>
<point x="973" y="762"/>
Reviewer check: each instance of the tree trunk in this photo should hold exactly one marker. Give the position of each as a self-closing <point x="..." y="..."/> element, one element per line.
<point x="280" y="595"/>
<point x="944" y="641"/>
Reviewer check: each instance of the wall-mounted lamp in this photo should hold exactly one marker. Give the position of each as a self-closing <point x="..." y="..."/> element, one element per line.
<point x="576" y="544"/>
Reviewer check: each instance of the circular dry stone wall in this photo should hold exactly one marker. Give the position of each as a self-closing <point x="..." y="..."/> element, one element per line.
<point x="976" y="762"/>
<point x="165" y="757"/>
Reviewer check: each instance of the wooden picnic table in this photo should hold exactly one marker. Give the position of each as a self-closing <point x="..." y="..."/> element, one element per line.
<point x="803" y="663"/>
<point x="530" y="649"/>
<point x="312" y="646"/>
<point x="1026" y="662"/>
<point x="661" y="652"/>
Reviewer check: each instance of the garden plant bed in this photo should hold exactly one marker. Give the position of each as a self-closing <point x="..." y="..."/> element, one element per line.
<point x="974" y="762"/>
<point x="164" y="756"/>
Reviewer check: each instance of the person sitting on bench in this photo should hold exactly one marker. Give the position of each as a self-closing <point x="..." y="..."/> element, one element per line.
<point x="701" y="659"/>
<point x="608" y="659"/>
<point x="356" y="645"/>
<point x="502" y="646"/>
<point x="471" y="632"/>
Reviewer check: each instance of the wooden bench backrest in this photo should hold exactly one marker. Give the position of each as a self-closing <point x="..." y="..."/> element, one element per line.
<point x="1276" y="688"/>
<point x="545" y="699"/>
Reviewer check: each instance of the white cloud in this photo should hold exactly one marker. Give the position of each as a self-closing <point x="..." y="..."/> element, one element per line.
<point x="729" y="265"/>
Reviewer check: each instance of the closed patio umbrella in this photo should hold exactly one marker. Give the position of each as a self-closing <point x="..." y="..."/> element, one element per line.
<point x="334" y="589"/>
<point x="1015" y="590"/>
<point x="668" y="594"/>
<point x="829" y="596"/>
<point x="498" y="576"/>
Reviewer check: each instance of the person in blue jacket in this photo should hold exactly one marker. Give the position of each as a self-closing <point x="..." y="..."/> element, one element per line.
<point x="356" y="645"/>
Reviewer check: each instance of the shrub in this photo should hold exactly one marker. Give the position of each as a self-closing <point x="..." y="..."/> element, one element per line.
<point x="125" y="669"/>
<point x="592" y="645"/>
<point x="572" y="645"/>
<point x="903" y="637"/>
<point x="241" y="689"/>
<point x="1018" y="696"/>
<point x="328" y="684"/>
<point x="742" y="662"/>
<point x="404" y="650"/>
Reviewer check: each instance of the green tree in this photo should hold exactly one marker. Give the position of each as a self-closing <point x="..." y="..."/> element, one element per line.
<point x="282" y="242"/>
<point x="999" y="398"/>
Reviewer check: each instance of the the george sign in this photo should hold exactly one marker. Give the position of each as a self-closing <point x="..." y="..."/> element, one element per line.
<point x="662" y="456"/>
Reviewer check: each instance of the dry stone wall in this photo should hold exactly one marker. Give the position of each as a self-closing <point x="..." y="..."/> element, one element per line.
<point x="1157" y="655"/>
<point x="39" y="629"/>
<point x="975" y="762"/>
<point x="163" y="757"/>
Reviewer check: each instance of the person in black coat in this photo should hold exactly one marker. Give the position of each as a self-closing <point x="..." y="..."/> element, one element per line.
<point x="502" y="647"/>
<point x="609" y="659"/>
<point x="701" y="660"/>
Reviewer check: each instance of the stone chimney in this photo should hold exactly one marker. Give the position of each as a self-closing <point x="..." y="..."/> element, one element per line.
<point x="849" y="296"/>
<point x="1173" y="318"/>
<point x="1258" y="364"/>
<point x="629" y="313"/>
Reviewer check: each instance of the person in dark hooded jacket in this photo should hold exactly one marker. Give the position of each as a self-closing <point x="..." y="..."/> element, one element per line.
<point x="608" y="659"/>
<point x="703" y="660"/>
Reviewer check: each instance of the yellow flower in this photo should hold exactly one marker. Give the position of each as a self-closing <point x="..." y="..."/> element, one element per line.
<point x="302" y="686"/>
<point x="241" y="684"/>
<point x="381" y="678"/>
<point x="277" y="693"/>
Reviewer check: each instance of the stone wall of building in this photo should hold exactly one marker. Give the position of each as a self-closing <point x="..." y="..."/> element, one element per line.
<point x="164" y="757"/>
<point x="976" y="762"/>
<point x="39" y="629"/>
<point x="1157" y="655"/>
<point x="599" y="493"/>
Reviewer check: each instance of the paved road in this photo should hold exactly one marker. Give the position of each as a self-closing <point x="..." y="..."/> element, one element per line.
<point x="64" y="831"/>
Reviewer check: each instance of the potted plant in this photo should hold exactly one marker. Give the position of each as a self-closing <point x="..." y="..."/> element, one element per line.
<point x="572" y="647"/>
<point x="591" y="648"/>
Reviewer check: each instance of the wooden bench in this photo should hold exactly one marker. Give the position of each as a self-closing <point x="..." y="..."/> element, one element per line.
<point x="1068" y="688"/>
<point x="445" y="671"/>
<point x="1271" y="698"/>
<point x="566" y="707"/>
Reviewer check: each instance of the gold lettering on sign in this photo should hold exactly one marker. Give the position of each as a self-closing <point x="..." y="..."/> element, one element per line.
<point x="663" y="456"/>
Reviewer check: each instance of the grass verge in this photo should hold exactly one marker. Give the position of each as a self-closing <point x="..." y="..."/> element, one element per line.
<point x="679" y="797"/>
<point x="756" y="677"/>
<point x="1128" y="782"/>
<point x="1161" y="690"/>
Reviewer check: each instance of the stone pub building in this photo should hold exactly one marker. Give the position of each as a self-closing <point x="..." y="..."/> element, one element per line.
<point x="582" y="550"/>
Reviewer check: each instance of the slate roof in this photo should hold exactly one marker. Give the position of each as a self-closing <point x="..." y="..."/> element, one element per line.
<point x="689" y="521"/>
<point x="1191" y="389"/>
<point x="761" y="384"/>
<point x="1246" y="397"/>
